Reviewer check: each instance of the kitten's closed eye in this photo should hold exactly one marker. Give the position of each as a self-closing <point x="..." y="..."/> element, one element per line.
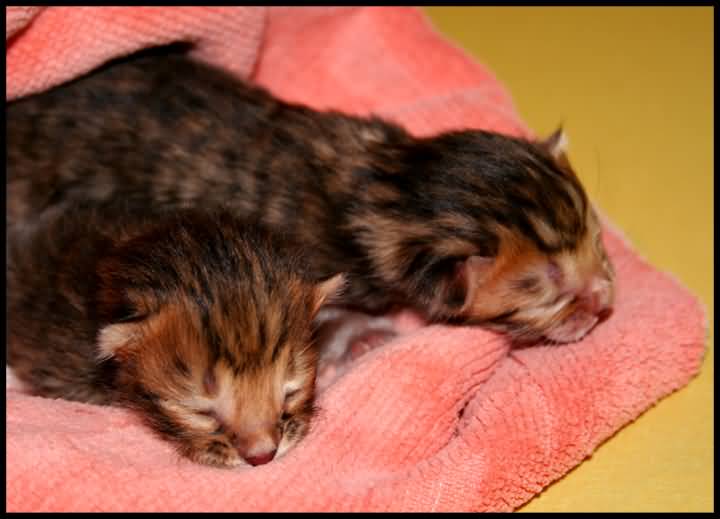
<point x="125" y="311"/>
<point x="133" y="318"/>
<point x="289" y="395"/>
<point x="529" y="284"/>
<point x="210" y="413"/>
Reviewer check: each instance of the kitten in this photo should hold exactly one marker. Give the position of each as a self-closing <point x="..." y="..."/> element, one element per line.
<point x="199" y="322"/>
<point x="466" y="226"/>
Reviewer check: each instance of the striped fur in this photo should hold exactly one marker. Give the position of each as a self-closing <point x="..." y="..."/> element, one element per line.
<point x="201" y="323"/>
<point x="410" y="220"/>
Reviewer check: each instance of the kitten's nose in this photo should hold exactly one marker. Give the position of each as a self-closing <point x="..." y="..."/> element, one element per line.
<point x="258" y="448"/>
<point x="597" y="297"/>
<point x="261" y="459"/>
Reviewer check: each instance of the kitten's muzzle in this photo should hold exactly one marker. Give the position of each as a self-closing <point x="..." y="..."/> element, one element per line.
<point x="591" y="306"/>
<point x="597" y="298"/>
<point x="259" y="448"/>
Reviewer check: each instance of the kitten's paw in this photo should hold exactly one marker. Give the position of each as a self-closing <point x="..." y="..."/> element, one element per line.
<point x="370" y="340"/>
<point x="338" y="333"/>
<point x="345" y="336"/>
<point x="215" y="453"/>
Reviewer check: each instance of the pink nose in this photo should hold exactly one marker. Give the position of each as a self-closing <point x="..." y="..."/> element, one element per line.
<point x="261" y="459"/>
<point x="597" y="298"/>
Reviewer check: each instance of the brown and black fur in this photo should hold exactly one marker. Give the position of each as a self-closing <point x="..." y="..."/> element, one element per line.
<point x="192" y="317"/>
<point x="400" y="215"/>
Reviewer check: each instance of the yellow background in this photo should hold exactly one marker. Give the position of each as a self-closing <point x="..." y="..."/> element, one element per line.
<point x="634" y="89"/>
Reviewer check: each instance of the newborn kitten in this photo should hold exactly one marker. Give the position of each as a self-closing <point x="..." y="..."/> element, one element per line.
<point x="465" y="226"/>
<point x="200" y="323"/>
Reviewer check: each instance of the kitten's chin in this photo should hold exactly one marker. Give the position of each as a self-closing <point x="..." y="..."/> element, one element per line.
<point x="572" y="329"/>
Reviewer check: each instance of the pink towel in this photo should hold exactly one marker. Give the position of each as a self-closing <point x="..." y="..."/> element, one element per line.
<point x="441" y="418"/>
<point x="61" y="43"/>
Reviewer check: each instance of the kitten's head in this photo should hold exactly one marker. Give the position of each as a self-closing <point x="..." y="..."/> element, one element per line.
<point x="211" y="330"/>
<point x="497" y="231"/>
<point x="549" y="275"/>
<point x="530" y="294"/>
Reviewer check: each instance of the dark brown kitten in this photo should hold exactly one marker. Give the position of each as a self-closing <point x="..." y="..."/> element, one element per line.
<point x="465" y="226"/>
<point x="196" y="320"/>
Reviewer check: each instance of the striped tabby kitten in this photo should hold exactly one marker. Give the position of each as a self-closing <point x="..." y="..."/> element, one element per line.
<point x="198" y="322"/>
<point x="465" y="226"/>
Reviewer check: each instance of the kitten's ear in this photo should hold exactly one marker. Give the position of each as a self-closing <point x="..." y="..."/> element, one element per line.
<point x="556" y="144"/>
<point x="469" y="275"/>
<point x="119" y="313"/>
<point x="114" y="339"/>
<point x="328" y="290"/>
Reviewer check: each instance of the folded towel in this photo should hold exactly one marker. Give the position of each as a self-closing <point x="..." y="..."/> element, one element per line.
<point x="441" y="418"/>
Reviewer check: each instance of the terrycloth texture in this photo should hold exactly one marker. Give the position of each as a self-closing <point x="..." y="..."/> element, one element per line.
<point x="440" y="419"/>
<point x="64" y="42"/>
